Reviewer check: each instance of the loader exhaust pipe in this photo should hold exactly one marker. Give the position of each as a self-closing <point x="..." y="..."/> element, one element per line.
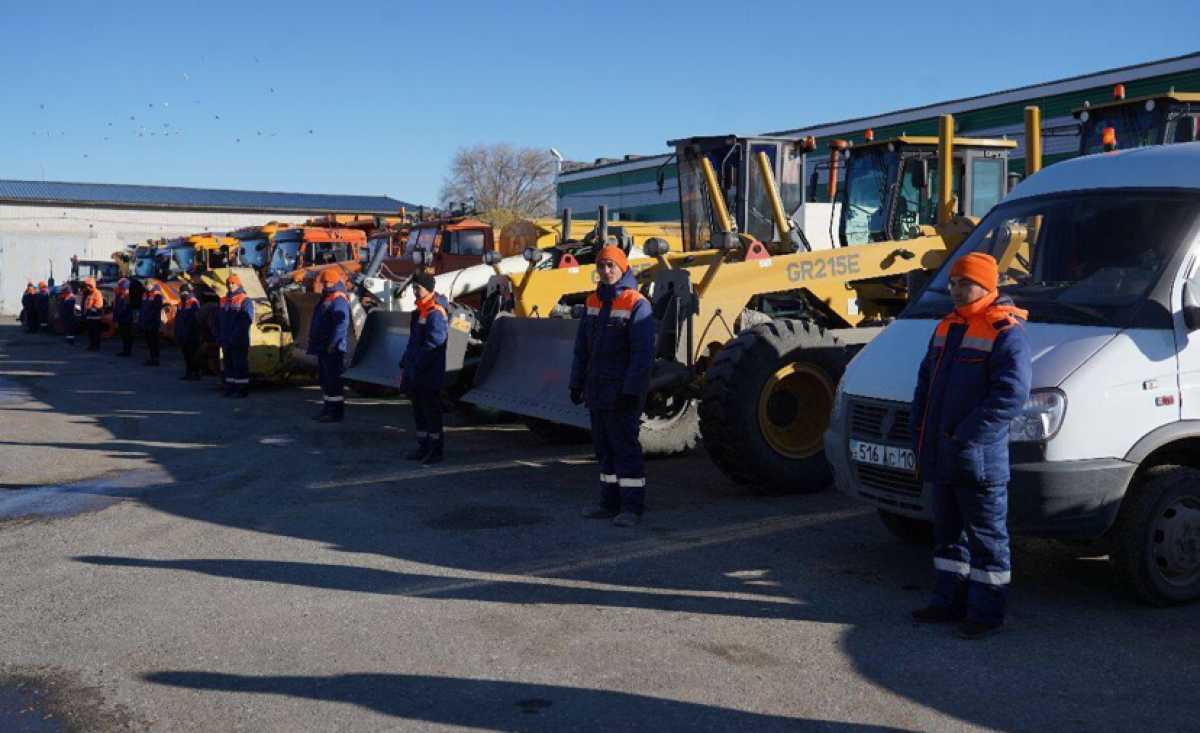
<point x="566" y="226"/>
<point x="602" y="224"/>
<point x="1033" y="140"/>
<point x="945" y="169"/>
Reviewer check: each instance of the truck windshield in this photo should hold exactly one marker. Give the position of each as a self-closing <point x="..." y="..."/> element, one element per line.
<point x="869" y="177"/>
<point x="1089" y="258"/>
<point x="253" y="253"/>
<point x="182" y="258"/>
<point x="283" y="259"/>
<point x="1135" y="126"/>
<point x="145" y="266"/>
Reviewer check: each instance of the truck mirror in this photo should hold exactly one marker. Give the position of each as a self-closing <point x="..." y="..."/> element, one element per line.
<point x="1186" y="130"/>
<point x="920" y="174"/>
<point x="1191" y="306"/>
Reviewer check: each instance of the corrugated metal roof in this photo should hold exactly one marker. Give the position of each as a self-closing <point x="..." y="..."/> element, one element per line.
<point x="172" y="197"/>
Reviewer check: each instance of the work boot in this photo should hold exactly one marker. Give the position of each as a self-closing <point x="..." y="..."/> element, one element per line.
<point x="627" y="519"/>
<point x="937" y="615"/>
<point x="434" y="455"/>
<point x="606" y="505"/>
<point x="334" y="413"/>
<point x="418" y="453"/>
<point x="598" y="510"/>
<point x="972" y="630"/>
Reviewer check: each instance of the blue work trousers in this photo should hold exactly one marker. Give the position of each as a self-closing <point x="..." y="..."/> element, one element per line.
<point x="971" y="558"/>
<point x="237" y="368"/>
<point x="329" y="374"/>
<point x="427" y="414"/>
<point x="622" y="469"/>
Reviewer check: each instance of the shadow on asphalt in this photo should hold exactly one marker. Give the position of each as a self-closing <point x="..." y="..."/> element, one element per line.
<point x="505" y="505"/>
<point x="496" y="705"/>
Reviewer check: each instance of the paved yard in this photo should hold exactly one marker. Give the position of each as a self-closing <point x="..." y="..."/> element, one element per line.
<point x="177" y="561"/>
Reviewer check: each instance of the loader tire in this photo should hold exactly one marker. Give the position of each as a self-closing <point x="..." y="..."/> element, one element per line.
<point x="670" y="428"/>
<point x="766" y="403"/>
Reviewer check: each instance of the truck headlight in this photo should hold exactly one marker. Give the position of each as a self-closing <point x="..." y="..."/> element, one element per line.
<point x="1040" y="418"/>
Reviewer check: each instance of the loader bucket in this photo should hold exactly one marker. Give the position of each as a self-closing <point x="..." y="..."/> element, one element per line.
<point x="526" y="370"/>
<point x="382" y="342"/>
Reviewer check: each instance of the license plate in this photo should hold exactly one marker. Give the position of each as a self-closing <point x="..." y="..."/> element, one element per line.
<point x="877" y="454"/>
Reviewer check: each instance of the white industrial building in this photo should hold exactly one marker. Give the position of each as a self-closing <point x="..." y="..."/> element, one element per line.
<point x="44" y="223"/>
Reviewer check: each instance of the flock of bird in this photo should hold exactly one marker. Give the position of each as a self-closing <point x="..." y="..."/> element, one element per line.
<point x="150" y="122"/>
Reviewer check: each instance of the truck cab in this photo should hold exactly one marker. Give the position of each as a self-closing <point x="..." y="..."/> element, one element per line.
<point x="1156" y="119"/>
<point x="447" y="244"/>
<point x="1103" y="252"/>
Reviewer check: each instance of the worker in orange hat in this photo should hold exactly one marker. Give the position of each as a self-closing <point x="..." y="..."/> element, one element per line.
<point x="67" y="307"/>
<point x="236" y="319"/>
<point x="150" y="320"/>
<point x="42" y="302"/>
<point x="973" y="381"/>
<point x="327" y="340"/>
<point x="123" y="316"/>
<point x="93" y="313"/>
<point x="29" y="308"/>
<point x="614" y="351"/>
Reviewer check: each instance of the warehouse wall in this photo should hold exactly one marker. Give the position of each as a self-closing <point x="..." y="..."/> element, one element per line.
<point x="34" y="240"/>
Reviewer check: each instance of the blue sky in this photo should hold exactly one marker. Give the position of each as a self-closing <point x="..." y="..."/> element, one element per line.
<point x="373" y="98"/>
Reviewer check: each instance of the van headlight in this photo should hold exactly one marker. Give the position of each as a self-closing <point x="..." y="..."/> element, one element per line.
<point x="839" y="400"/>
<point x="1040" y="418"/>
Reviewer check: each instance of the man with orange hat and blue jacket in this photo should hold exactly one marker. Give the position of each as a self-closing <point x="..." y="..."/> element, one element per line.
<point x="236" y="319"/>
<point x="973" y="381"/>
<point x="327" y="341"/>
<point x="67" y="305"/>
<point x="614" y="352"/>
<point x="93" y="313"/>
<point x="42" y="302"/>
<point x="123" y="316"/>
<point x="29" y="308"/>
<point x="187" y="333"/>
<point x="423" y="368"/>
<point x="150" y="320"/>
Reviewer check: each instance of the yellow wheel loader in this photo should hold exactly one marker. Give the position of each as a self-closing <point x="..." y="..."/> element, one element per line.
<point x="755" y="321"/>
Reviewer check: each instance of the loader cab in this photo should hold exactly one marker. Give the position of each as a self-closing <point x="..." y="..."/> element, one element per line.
<point x="145" y="260"/>
<point x="891" y="187"/>
<point x="453" y="244"/>
<point x="1139" y="122"/>
<point x="214" y="253"/>
<point x="740" y="182"/>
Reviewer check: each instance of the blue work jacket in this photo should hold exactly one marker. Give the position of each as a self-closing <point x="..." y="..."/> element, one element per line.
<point x="973" y="381"/>
<point x="331" y="322"/>
<point x="424" y="362"/>
<point x="614" y="346"/>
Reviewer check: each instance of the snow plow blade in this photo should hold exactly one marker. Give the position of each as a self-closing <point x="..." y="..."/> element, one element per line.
<point x="526" y="370"/>
<point x="382" y="342"/>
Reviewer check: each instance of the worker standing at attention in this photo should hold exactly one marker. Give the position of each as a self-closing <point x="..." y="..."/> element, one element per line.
<point x="123" y="316"/>
<point x="29" y="308"/>
<point x="93" y="312"/>
<point x="423" y="368"/>
<point x="973" y="381"/>
<point x="327" y="341"/>
<point x="187" y="333"/>
<point x="66" y="313"/>
<point x="237" y="316"/>
<point x="42" y="301"/>
<point x="150" y="320"/>
<point x="614" y="349"/>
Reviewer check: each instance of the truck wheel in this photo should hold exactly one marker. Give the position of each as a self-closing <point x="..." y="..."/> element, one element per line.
<point x="671" y="427"/>
<point x="906" y="529"/>
<point x="1156" y="539"/>
<point x="766" y="404"/>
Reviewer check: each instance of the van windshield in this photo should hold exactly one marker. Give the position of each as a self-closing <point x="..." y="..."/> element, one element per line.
<point x="1090" y="258"/>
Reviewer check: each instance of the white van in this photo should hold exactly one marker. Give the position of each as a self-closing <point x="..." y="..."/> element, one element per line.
<point x="1104" y="253"/>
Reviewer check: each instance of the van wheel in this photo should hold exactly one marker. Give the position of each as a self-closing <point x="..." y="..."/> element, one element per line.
<point x="1156" y="539"/>
<point x="766" y="404"/>
<point x="906" y="529"/>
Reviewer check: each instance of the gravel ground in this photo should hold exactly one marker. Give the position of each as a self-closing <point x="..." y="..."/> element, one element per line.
<point x="178" y="561"/>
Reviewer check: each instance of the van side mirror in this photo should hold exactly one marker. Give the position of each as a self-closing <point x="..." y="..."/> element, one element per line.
<point x="920" y="174"/>
<point x="1186" y="129"/>
<point x="1191" y="305"/>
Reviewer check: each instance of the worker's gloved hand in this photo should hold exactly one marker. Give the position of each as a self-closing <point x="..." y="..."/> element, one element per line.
<point x="576" y="396"/>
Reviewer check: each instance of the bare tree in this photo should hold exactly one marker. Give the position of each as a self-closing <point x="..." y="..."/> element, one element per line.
<point x="503" y="182"/>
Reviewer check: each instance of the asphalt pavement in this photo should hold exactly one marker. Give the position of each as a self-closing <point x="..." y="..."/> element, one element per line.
<point x="174" y="560"/>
